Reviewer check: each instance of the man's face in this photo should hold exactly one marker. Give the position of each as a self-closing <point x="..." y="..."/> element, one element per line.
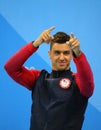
<point x="60" y="55"/>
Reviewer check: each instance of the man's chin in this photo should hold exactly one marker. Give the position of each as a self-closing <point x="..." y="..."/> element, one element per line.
<point x="62" y="68"/>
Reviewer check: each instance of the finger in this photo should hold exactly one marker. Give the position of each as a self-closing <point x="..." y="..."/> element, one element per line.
<point x="72" y="35"/>
<point x="75" y="42"/>
<point x="52" y="28"/>
<point x="44" y="37"/>
<point x="47" y="37"/>
<point x="68" y="43"/>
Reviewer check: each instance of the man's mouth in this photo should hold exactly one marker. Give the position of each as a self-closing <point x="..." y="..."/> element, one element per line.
<point x="61" y="63"/>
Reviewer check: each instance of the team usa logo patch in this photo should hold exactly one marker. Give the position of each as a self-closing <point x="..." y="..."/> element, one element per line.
<point x="65" y="83"/>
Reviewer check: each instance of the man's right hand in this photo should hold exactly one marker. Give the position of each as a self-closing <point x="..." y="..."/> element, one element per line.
<point x="44" y="37"/>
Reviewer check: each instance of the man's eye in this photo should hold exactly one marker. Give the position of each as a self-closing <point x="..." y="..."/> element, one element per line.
<point x="66" y="52"/>
<point x="57" y="52"/>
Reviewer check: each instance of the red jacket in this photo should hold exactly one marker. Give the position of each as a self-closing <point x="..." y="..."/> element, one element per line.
<point x="16" y="70"/>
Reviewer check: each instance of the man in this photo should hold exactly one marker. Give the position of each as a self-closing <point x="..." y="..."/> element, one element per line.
<point x="59" y="98"/>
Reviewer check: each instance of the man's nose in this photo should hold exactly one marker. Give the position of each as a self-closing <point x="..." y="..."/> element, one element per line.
<point x="61" y="56"/>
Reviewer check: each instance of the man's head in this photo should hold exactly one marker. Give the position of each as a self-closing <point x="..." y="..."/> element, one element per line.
<point x="59" y="37"/>
<point x="60" y="53"/>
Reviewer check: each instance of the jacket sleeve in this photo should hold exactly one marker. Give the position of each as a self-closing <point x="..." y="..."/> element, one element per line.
<point x="84" y="76"/>
<point x="16" y="70"/>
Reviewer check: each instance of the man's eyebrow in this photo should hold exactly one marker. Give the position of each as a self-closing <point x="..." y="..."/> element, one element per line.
<point x="62" y="51"/>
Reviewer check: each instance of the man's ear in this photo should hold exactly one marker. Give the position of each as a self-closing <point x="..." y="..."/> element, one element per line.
<point x="71" y="55"/>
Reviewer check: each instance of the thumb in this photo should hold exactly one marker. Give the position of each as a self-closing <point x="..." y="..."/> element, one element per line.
<point x="72" y="35"/>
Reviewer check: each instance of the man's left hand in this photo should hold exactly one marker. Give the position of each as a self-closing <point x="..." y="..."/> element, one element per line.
<point x="74" y="44"/>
